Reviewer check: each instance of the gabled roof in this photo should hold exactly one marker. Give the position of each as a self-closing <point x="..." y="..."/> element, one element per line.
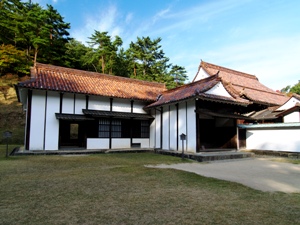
<point x="245" y="85"/>
<point x="55" y="78"/>
<point x="265" y="114"/>
<point x="197" y="90"/>
<point x="290" y="110"/>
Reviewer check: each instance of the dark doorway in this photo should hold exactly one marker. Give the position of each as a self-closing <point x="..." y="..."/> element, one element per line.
<point x="72" y="134"/>
<point x="217" y="133"/>
<point x="242" y="138"/>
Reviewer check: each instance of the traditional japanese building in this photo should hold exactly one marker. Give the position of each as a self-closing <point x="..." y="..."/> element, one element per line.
<point x="68" y="108"/>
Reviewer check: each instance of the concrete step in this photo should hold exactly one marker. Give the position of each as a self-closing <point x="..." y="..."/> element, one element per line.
<point x="208" y="156"/>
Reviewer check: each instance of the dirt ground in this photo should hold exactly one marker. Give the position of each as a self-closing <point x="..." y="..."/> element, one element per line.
<point x="258" y="173"/>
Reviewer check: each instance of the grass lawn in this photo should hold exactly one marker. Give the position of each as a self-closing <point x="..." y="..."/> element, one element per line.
<point x="118" y="189"/>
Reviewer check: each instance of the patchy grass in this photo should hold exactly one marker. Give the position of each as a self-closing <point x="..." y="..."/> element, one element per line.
<point x="12" y="117"/>
<point x="287" y="160"/>
<point x="118" y="189"/>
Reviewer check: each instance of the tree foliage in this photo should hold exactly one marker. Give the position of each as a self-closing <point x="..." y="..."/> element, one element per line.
<point x="31" y="33"/>
<point x="292" y="89"/>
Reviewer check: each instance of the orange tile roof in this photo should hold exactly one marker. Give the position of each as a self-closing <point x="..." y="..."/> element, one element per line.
<point x="197" y="90"/>
<point x="245" y="85"/>
<point x="55" y="78"/>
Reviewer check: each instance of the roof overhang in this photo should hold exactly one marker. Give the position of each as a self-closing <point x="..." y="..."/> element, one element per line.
<point x="113" y="114"/>
<point x="72" y="117"/>
<point x="230" y="115"/>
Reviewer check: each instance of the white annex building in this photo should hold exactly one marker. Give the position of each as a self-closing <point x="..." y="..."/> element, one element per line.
<point x="69" y="108"/>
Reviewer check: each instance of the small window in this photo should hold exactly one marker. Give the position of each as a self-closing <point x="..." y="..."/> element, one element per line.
<point x="104" y="128"/>
<point x="116" y="129"/>
<point x="145" y="132"/>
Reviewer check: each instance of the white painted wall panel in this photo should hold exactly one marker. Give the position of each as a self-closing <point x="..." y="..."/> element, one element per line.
<point x="121" y="105"/>
<point x="120" y="143"/>
<point x="293" y="117"/>
<point x="157" y="129"/>
<point x="97" y="143"/>
<point x="80" y="103"/>
<point x="52" y="124"/>
<point x="191" y="127"/>
<point x="201" y="74"/>
<point x="218" y="89"/>
<point x="99" y="103"/>
<point x="138" y="107"/>
<point x="273" y="139"/>
<point x="173" y="128"/>
<point x="143" y="141"/>
<point x="68" y="103"/>
<point x="166" y="127"/>
<point x="36" y="141"/>
<point x="182" y="123"/>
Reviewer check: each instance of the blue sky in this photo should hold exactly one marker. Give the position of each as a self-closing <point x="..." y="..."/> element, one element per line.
<point x="260" y="37"/>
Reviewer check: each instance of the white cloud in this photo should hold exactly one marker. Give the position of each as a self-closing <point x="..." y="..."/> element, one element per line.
<point x="105" y="20"/>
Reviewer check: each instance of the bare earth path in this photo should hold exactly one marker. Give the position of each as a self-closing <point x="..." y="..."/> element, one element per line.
<point x="258" y="173"/>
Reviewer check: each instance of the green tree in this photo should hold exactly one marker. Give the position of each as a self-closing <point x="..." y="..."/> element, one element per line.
<point x="292" y="89"/>
<point x="147" y="61"/>
<point x="34" y="29"/>
<point x="295" y="88"/>
<point x="74" y="55"/>
<point x="12" y="60"/>
<point x="178" y="75"/>
<point x="106" y="50"/>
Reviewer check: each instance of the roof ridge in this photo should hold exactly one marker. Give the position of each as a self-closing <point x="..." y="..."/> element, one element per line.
<point x="40" y="66"/>
<point x="239" y="73"/>
<point x="270" y="92"/>
<point x="195" y="83"/>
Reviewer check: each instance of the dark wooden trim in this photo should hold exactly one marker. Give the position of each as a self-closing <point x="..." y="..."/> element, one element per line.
<point x="177" y="127"/>
<point x="197" y="128"/>
<point x="45" y="120"/>
<point x="161" y="127"/>
<point x="169" y="126"/>
<point x="74" y="103"/>
<point x="111" y="104"/>
<point x="28" y="119"/>
<point x="87" y="102"/>
<point x="60" y="102"/>
<point x="131" y="102"/>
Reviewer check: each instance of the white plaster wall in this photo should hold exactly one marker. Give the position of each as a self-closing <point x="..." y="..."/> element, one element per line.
<point x="121" y="105"/>
<point x="36" y="141"/>
<point x="97" y="143"/>
<point x="182" y="124"/>
<point x="68" y="103"/>
<point x="292" y="118"/>
<point x="157" y="129"/>
<point x="120" y="143"/>
<point x="143" y="141"/>
<point x="52" y="124"/>
<point x="218" y="89"/>
<point x="138" y="107"/>
<point x="173" y="128"/>
<point x="99" y="103"/>
<point x="201" y="75"/>
<point x="152" y="130"/>
<point x="273" y="139"/>
<point x="80" y="103"/>
<point x="191" y="127"/>
<point x="166" y="124"/>
<point x="289" y="104"/>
